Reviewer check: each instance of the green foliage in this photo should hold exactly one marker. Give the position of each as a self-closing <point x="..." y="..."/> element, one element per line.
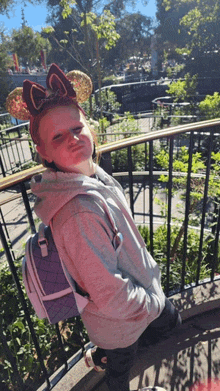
<point x="182" y="90"/>
<point x="214" y="187"/>
<point x="108" y="21"/>
<point x="180" y="165"/>
<point x="189" y="31"/>
<point x="29" y="165"/>
<point x="119" y="158"/>
<point x="48" y="30"/>
<point x="27" y="44"/>
<point x="6" y="6"/>
<point x="109" y="103"/>
<point x="5" y="63"/>
<point x="128" y="125"/>
<point x="110" y="79"/>
<point x="160" y="255"/>
<point x="135" y="32"/>
<point x="103" y="26"/>
<point x="5" y="126"/>
<point x="199" y="22"/>
<point x="66" y="5"/>
<point x="210" y="106"/>
<point x="162" y="159"/>
<point x="5" y="60"/>
<point x="103" y="124"/>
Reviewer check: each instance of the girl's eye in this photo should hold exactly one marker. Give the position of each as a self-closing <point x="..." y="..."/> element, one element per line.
<point x="59" y="135"/>
<point x="77" y="130"/>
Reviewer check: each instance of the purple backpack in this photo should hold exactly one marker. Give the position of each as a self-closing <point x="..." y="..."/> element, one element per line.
<point x="49" y="286"/>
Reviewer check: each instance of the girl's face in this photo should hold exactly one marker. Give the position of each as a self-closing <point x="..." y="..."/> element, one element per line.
<point x="66" y="140"/>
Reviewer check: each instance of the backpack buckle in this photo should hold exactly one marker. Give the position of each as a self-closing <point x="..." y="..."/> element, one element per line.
<point x="43" y="243"/>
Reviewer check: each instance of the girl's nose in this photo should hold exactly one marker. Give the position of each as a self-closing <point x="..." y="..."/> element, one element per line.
<point x="73" y="136"/>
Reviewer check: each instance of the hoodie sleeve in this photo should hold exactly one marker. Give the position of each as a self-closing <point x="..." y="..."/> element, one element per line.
<point x="87" y="240"/>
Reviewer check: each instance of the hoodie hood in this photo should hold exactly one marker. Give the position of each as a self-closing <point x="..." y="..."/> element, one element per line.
<point x="55" y="189"/>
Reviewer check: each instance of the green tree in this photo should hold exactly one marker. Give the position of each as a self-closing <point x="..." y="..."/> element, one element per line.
<point x="135" y="31"/>
<point x="6" y="6"/>
<point x="210" y="106"/>
<point x="105" y="36"/>
<point x="97" y="35"/>
<point x="191" y="29"/>
<point x="28" y="44"/>
<point x="116" y="7"/>
<point x="79" y="32"/>
<point x="183" y="90"/>
<point x="5" y="62"/>
<point x="168" y="30"/>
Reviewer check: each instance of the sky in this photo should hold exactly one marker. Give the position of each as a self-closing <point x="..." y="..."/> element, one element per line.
<point x="35" y="15"/>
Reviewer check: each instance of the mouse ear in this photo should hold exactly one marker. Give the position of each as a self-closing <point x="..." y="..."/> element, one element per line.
<point x="34" y="95"/>
<point x="82" y="85"/>
<point x="16" y="106"/>
<point x="58" y="82"/>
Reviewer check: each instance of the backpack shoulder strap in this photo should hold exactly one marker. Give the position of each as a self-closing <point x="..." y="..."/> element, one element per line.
<point x="118" y="237"/>
<point x="42" y="240"/>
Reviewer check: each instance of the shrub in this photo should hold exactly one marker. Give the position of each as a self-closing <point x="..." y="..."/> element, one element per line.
<point x="160" y="255"/>
<point x="210" y="106"/>
<point x="128" y="126"/>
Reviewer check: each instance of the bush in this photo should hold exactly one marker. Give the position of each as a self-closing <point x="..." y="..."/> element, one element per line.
<point x="210" y="106"/>
<point x="128" y="126"/>
<point x="108" y="80"/>
<point x="160" y="255"/>
<point x="120" y="159"/>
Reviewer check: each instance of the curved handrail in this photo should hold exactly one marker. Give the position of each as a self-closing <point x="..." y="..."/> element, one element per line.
<point x="24" y="175"/>
<point x="19" y="177"/>
<point x="195" y="126"/>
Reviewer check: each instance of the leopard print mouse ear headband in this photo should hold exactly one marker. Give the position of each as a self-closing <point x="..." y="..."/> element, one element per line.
<point x="27" y="102"/>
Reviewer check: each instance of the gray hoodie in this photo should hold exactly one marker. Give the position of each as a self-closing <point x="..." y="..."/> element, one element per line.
<point x="125" y="293"/>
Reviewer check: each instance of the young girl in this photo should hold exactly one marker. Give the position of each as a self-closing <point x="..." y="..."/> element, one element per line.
<point x="126" y="301"/>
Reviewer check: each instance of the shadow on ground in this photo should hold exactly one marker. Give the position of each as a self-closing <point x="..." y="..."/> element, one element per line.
<point x="190" y="356"/>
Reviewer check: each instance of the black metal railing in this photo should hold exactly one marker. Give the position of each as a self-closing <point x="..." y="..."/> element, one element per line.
<point x="141" y="182"/>
<point x="16" y="149"/>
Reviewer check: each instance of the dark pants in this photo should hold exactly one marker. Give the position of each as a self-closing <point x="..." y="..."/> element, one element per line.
<point x="120" y="361"/>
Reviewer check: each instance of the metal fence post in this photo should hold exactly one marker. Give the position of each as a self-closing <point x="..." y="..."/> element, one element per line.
<point x="208" y="165"/>
<point x="2" y="167"/>
<point x="27" y="207"/>
<point x="151" y="196"/>
<point x="169" y="213"/>
<point x="130" y="180"/>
